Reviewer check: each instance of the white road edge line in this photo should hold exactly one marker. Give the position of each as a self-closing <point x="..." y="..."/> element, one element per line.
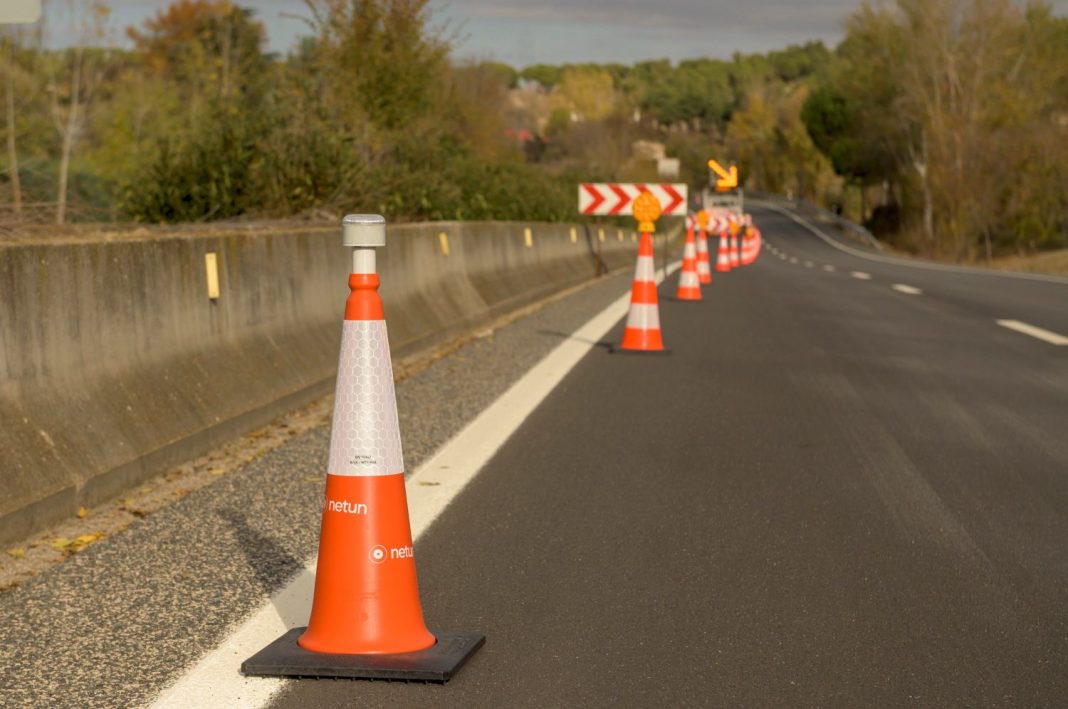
<point x="216" y="679"/>
<point x="908" y="290"/>
<point x="1036" y="332"/>
<point x="914" y="263"/>
<point x="860" y="275"/>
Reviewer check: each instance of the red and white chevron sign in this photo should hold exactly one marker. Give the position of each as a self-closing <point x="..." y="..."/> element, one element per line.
<point x="616" y="198"/>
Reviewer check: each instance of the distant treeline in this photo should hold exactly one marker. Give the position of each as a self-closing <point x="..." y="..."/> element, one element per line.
<point x="943" y="124"/>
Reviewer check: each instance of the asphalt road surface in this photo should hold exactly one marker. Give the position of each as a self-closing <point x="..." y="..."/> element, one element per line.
<point x="831" y="493"/>
<point x="847" y="485"/>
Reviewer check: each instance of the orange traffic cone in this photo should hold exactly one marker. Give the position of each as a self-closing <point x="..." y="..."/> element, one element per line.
<point x="723" y="258"/>
<point x="704" y="268"/>
<point x="735" y="255"/>
<point x="643" y="321"/>
<point x="689" y="282"/>
<point x="749" y="246"/>
<point x="366" y="604"/>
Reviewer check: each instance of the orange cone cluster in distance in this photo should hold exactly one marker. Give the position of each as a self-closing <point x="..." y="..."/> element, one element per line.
<point x="366" y="617"/>
<point x="738" y="246"/>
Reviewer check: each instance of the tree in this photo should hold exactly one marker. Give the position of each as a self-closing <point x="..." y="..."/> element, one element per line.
<point x="211" y="47"/>
<point x="696" y="93"/>
<point x="11" y="44"/>
<point x="73" y="76"/>
<point x="380" y="57"/>
<point x="589" y="94"/>
<point x="545" y="74"/>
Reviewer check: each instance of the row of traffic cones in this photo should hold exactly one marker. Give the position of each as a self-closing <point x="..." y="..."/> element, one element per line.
<point x="739" y="245"/>
<point x="366" y="619"/>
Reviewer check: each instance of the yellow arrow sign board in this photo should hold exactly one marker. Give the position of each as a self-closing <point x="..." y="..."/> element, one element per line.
<point x="727" y="179"/>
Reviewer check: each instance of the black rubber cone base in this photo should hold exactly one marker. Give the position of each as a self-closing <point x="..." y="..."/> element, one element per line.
<point x="438" y="663"/>
<point x="616" y="349"/>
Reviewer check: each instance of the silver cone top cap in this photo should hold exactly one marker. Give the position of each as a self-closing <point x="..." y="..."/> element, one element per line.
<point x="363" y="230"/>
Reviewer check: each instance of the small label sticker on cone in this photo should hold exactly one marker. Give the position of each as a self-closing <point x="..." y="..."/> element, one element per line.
<point x="365" y="438"/>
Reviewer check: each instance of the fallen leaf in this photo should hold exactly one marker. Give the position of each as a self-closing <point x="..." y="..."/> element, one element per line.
<point x="428" y="483"/>
<point x="313" y="479"/>
<point x="82" y="512"/>
<point x="60" y="543"/>
<point x="83" y="541"/>
<point x="17" y="553"/>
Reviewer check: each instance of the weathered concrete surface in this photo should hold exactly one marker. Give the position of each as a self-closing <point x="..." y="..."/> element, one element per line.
<point x="116" y="365"/>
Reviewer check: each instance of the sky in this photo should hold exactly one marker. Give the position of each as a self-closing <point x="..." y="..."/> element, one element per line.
<point x="524" y="32"/>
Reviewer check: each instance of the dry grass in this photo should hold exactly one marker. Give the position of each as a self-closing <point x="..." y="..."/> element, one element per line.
<point x="1048" y="262"/>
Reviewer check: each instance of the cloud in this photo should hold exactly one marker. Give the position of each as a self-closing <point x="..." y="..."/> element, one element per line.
<point x="690" y="16"/>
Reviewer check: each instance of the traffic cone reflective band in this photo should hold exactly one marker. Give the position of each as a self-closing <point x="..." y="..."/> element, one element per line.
<point x="689" y="283"/>
<point x="734" y="254"/>
<point x="704" y="268"/>
<point x="643" y="321"/>
<point x="366" y="599"/>
<point x="723" y="257"/>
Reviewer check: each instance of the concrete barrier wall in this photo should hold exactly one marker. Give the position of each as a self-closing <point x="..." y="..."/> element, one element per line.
<point x="116" y="365"/>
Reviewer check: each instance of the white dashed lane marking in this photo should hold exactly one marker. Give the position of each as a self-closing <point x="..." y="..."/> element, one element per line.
<point x="1036" y="332"/>
<point x="828" y="267"/>
<point x="861" y="275"/>
<point x="908" y="290"/>
<point x="808" y="264"/>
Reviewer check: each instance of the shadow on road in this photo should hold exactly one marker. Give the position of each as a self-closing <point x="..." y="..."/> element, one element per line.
<point x="280" y="575"/>
<point x="568" y="336"/>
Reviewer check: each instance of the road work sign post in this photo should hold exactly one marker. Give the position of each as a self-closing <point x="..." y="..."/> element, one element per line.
<point x="617" y="199"/>
<point x="613" y="199"/>
<point x="643" y="334"/>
